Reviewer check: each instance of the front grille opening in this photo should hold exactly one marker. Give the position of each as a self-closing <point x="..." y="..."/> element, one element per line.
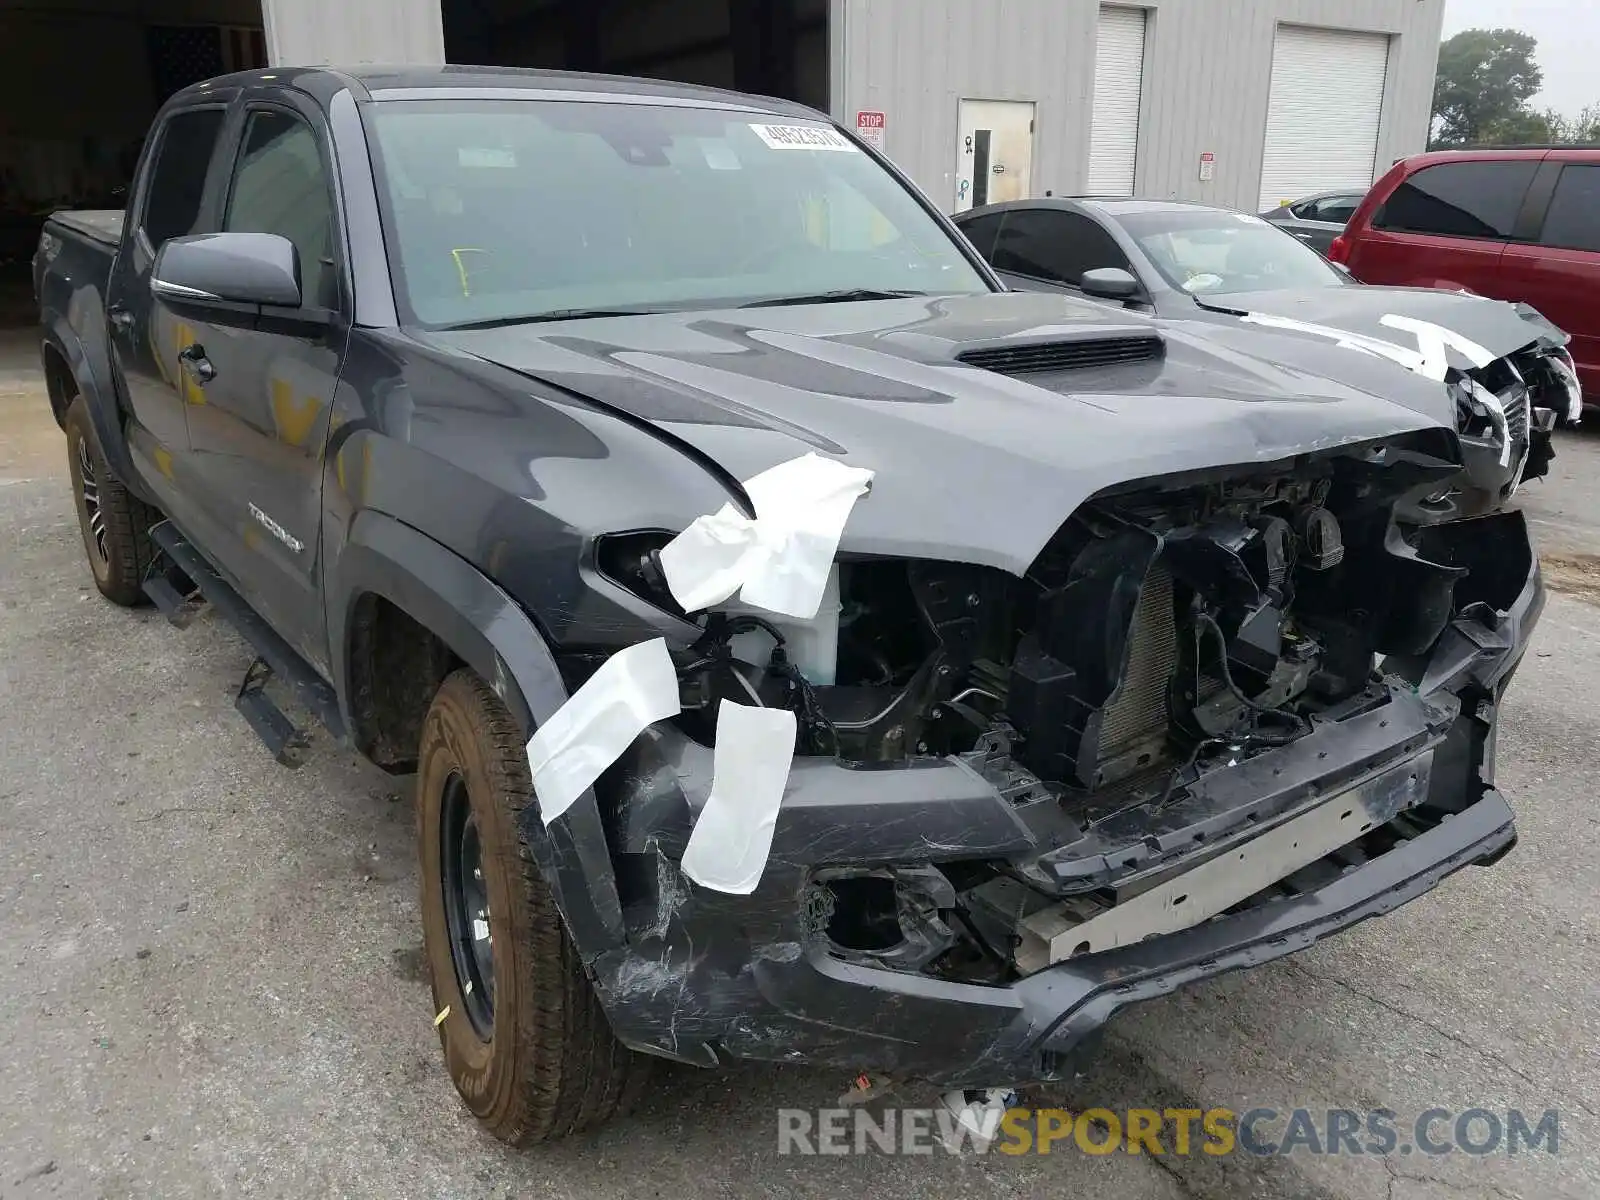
<point x="1063" y="356"/>
<point x="865" y="916"/>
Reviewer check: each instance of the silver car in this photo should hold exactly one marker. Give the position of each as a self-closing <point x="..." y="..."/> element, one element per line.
<point x="1318" y="219"/>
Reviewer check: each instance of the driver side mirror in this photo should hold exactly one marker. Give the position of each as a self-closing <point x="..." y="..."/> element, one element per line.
<point x="1111" y="283"/>
<point x="227" y="278"/>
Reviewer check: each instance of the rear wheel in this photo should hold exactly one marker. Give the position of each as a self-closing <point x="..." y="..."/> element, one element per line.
<point x="115" y="523"/>
<point x="524" y="1037"/>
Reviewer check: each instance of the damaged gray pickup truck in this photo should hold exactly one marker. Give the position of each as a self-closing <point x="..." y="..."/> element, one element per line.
<point x="1111" y="653"/>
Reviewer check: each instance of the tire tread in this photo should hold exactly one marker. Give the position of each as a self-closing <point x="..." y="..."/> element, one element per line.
<point x="571" y="1074"/>
<point x="129" y="550"/>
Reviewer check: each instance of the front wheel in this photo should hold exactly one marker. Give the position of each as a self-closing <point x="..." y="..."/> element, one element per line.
<point x="524" y="1037"/>
<point x="115" y="523"/>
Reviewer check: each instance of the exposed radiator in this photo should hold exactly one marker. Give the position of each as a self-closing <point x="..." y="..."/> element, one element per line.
<point x="1134" y="724"/>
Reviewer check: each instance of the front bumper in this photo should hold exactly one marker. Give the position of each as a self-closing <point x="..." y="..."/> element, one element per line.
<point x="706" y="977"/>
<point x="815" y="1008"/>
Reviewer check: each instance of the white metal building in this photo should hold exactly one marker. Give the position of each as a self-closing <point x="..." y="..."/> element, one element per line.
<point x="1237" y="102"/>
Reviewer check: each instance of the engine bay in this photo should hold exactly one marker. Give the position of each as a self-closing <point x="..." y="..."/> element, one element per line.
<point x="1187" y="666"/>
<point x="1157" y="624"/>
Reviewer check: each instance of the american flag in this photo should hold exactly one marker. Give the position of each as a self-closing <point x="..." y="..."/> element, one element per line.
<point x="185" y="54"/>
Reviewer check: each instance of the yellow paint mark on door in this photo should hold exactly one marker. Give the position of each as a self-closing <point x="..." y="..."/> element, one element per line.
<point x="293" y="418"/>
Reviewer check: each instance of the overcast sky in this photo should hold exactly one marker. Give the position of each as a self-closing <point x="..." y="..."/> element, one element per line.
<point x="1569" y="41"/>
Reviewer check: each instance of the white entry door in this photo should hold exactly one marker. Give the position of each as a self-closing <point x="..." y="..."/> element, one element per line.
<point x="994" y="152"/>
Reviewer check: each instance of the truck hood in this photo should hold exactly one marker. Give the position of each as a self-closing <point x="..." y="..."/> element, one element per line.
<point x="1500" y="328"/>
<point x="970" y="465"/>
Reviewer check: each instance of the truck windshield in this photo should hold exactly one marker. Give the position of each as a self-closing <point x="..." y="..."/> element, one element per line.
<point x="500" y="211"/>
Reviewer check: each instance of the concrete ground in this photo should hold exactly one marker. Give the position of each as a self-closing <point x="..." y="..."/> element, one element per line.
<point x="209" y="966"/>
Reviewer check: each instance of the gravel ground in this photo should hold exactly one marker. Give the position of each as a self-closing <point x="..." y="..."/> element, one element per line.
<point x="209" y="966"/>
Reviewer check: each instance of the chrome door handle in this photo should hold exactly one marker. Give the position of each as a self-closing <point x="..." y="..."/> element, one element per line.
<point x="192" y="358"/>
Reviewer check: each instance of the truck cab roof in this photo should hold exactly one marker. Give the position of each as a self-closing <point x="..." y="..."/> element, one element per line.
<point x="380" y="82"/>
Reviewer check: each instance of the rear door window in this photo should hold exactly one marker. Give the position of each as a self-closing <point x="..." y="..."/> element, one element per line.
<point x="1465" y="199"/>
<point x="1573" y="222"/>
<point x="178" y="179"/>
<point x="981" y="233"/>
<point x="1337" y="209"/>
<point x="1057" y="246"/>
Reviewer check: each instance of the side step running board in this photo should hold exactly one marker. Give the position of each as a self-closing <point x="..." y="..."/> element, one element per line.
<point x="287" y="742"/>
<point x="173" y="592"/>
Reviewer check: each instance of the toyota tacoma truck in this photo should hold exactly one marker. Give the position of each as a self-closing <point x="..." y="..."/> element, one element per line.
<point x="1147" y="649"/>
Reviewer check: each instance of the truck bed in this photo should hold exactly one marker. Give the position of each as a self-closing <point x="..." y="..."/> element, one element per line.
<point x="76" y="250"/>
<point x="102" y="225"/>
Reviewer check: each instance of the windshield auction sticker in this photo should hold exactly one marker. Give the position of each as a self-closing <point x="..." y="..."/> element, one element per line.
<point x="804" y="137"/>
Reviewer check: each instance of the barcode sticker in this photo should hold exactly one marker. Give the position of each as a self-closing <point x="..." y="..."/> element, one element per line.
<point x="804" y="137"/>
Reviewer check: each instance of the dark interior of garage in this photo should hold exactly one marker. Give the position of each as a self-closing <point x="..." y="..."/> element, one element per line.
<point x="774" y="47"/>
<point x="79" y="82"/>
<point x="81" y="79"/>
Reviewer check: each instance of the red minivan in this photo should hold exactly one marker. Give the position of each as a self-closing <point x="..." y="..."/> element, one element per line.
<point x="1511" y="224"/>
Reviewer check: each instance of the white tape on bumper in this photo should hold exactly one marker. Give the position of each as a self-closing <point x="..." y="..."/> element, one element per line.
<point x="1496" y="412"/>
<point x="728" y="848"/>
<point x="634" y="688"/>
<point x="780" y="560"/>
<point x="1569" y="378"/>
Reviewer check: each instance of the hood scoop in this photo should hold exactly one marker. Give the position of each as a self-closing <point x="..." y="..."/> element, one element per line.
<point x="1012" y="358"/>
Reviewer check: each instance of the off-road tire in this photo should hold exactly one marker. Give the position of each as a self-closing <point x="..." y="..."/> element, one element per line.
<point x="550" y="1067"/>
<point x="120" y="550"/>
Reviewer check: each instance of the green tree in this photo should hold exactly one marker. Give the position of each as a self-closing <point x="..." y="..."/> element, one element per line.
<point x="1521" y="128"/>
<point x="1486" y="77"/>
<point x="1583" y="129"/>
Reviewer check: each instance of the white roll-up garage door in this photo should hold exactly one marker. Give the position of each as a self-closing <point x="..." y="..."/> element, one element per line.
<point x="1118" y="80"/>
<point x="1322" y="121"/>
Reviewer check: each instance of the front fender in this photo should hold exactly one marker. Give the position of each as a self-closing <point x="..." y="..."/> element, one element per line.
<point x="487" y="630"/>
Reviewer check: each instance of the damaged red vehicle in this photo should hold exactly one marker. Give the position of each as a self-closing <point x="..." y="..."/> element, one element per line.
<point x="1147" y="650"/>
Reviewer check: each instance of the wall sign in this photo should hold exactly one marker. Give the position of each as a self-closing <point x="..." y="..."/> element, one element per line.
<point x="870" y="127"/>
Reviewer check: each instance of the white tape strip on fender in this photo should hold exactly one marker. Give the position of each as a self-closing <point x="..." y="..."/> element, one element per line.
<point x="1427" y="359"/>
<point x="728" y="848"/>
<point x="1432" y="340"/>
<point x="633" y="689"/>
<point x="780" y="560"/>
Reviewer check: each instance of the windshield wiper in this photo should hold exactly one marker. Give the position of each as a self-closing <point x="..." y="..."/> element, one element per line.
<point x="559" y="314"/>
<point x="839" y="297"/>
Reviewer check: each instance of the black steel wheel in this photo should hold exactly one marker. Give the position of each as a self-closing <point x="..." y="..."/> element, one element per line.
<point x="466" y="905"/>
<point x="525" y="1038"/>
